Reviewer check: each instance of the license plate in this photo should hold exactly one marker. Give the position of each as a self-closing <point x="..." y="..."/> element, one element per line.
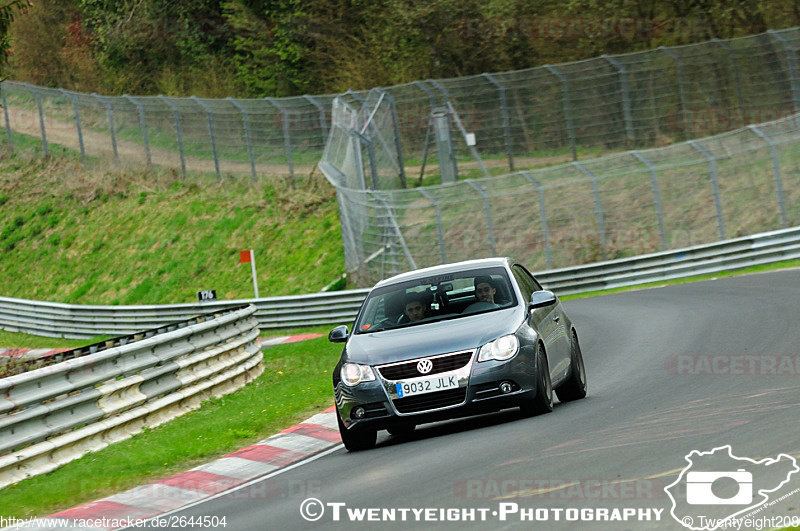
<point x="429" y="385"/>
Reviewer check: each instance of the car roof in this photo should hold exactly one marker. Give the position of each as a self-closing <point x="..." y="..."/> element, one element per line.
<point x="503" y="261"/>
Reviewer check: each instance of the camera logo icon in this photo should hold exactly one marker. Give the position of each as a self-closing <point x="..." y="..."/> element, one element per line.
<point x="700" y="491"/>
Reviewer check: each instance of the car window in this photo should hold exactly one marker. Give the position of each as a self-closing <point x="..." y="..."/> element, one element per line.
<point x="430" y="299"/>
<point x="526" y="282"/>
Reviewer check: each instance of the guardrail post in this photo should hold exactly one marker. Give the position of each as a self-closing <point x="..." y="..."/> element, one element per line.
<point x="681" y="85"/>
<point x="504" y="112"/>
<point x="439" y="231"/>
<point x="5" y="112"/>
<point x="247" y="135"/>
<point x="598" y="207"/>
<point x="286" y="136"/>
<point x="488" y="212"/>
<point x="792" y="60"/>
<point x="626" y="100"/>
<point x="732" y="53"/>
<point x="210" y="116"/>
<point x="323" y="124"/>
<point x="656" y="197"/>
<point x="41" y="115"/>
<point x="776" y="171"/>
<point x="542" y="216"/>
<point x="712" y="170"/>
<point x="110" y="117"/>
<point x="77" y="123"/>
<point x="178" y="131"/>
<point x="143" y="125"/>
<point x="567" y="108"/>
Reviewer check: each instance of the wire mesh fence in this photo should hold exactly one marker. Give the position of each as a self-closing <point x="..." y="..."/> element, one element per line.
<point x="521" y="119"/>
<point x="624" y="204"/>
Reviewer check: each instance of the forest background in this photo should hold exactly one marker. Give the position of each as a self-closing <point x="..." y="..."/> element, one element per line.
<point x="261" y="48"/>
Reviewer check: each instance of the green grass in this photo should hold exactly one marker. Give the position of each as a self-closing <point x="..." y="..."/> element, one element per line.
<point x="117" y="237"/>
<point x="296" y="384"/>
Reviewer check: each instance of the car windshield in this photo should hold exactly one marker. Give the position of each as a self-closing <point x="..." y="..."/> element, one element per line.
<point x="436" y="298"/>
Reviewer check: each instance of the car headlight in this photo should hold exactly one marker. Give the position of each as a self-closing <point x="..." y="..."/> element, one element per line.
<point x="353" y="373"/>
<point x="500" y="349"/>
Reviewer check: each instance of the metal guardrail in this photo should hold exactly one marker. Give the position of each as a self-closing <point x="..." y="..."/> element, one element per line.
<point x="57" y="413"/>
<point x="77" y="321"/>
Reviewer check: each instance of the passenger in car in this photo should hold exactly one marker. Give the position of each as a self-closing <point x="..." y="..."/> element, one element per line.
<point x="484" y="289"/>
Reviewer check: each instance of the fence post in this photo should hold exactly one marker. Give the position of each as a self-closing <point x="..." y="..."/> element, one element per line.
<point x="448" y="166"/>
<point x="712" y="170"/>
<point x="247" y="135"/>
<point x="110" y="117"/>
<point x="398" y="146"/>
<point x="77" y="123"/>
<point x="598" y="207"/>
<point x="178" y="131"/>
<point x="396" y="227"/>
<point x="41" y="116"/>
<point x="504" y="112"/>
<point x="438" y="86"/>
<point x="542" y="216"/>
<point x="567" y="108"/>
<point x="656" y="197"/>
<point x="143" y="125"/>
<point x="210" y="116"/>
<point x="681" y="86"/>
<point x="626" y="100"/>
<point x="792" y="60"/>
<point x="8" y="120"/>
<point x="776" y="171"/>
<point x="420" y="85"/>
<point x="286" y="136"/>
<point x="732" y="53"/>
<point x="440" y="232"/>
<point x="488" y="212"/>
<point x="323" y="124"/>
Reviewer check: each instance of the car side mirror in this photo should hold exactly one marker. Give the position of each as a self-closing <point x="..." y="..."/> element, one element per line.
<point x="339" y="334"/>
<point x="540" y="299"/>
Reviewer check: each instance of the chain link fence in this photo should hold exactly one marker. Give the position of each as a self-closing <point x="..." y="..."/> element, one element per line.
<point x="520" y="119"/>
<point x="624" y="204"/>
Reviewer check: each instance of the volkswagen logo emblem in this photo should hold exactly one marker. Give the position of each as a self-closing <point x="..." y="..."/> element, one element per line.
<point x="424" y="366"/>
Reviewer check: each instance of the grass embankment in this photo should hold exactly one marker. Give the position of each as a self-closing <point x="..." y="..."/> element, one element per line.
<point x="100" y="237"/>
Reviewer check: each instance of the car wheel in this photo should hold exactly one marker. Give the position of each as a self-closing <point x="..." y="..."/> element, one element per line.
<point x="357" y="439"/>
<point x="401" y="430"/>
<point x="575" y="386"/>
<point x="542" y="402"/>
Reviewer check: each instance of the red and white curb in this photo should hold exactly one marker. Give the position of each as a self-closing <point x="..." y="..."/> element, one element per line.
<point x="29" y="353"/>
<point x="290" y="446"/>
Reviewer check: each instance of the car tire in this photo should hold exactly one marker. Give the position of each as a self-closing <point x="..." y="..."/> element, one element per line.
<point x="401" y="430"/>
<point x="357" y="439"/>
<point x="542" y="402"/>
<point x="575" y="386"/>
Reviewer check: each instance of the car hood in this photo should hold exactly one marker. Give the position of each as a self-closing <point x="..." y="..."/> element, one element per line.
<point x="464" y="333"/>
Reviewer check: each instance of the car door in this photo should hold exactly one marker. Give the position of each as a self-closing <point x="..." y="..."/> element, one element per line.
<point x="550" y="322"/>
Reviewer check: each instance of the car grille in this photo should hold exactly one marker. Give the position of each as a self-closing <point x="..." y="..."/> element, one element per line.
<point x="408" y="369"/>
<point x="418" y="403"/>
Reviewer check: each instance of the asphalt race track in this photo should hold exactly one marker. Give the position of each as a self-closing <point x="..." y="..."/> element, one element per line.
<point x="670" y="370"/>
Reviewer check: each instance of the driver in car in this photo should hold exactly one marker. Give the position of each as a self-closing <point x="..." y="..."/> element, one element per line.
<point x="484" y="289"/>
<point x="415" y="308"/>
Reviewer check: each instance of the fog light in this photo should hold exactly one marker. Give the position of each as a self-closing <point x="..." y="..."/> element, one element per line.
<point x="358" y="413"/>
<point x="505" y="387"/>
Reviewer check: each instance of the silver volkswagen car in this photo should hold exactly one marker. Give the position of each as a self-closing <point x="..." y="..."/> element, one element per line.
<point x="451" y="341"/>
